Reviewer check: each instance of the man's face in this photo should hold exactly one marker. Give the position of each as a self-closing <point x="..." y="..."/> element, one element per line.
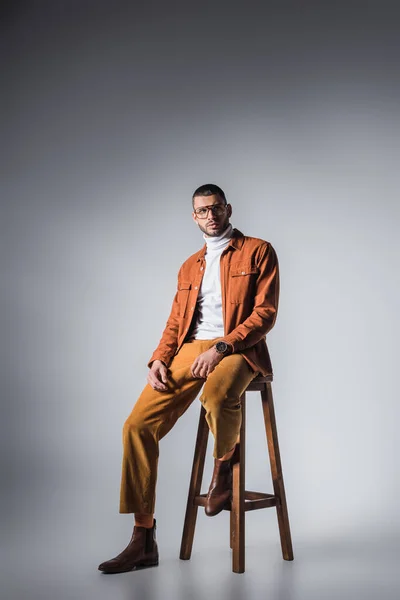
<point x="216" y="222"/>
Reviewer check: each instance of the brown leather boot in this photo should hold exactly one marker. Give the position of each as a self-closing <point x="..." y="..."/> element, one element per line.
<point x="142" y="551"/>
<point x="220" y="491"/>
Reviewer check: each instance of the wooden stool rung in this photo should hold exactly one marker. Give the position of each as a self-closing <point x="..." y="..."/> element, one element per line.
<point x="256" y="500"/>
<point x="252" y="501"/>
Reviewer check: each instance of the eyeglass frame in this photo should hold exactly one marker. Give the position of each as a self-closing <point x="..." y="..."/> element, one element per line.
<point x="209" y="207"/>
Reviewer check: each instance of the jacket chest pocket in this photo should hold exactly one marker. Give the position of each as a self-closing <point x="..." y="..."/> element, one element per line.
<point x="242" y="278"/>
<point x="184" y="288"/>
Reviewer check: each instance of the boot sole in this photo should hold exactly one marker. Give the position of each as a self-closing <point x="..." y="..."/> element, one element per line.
<point x="216" y="512"/>
<point x="137" y="567"/>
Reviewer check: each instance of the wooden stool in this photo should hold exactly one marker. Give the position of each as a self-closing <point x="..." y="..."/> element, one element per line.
<point x="242" y="500"/>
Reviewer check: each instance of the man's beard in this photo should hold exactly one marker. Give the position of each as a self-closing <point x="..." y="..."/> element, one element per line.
<point x="215" y="232"/>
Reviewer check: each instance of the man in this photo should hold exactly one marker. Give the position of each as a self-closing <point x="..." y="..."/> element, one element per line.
<point x="226" y="301"/>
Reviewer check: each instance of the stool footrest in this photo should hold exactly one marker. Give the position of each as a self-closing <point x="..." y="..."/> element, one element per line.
<point x="252" y="501"/>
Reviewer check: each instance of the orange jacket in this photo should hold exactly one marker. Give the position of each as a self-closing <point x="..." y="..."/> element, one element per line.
<point x="249" y="272"/>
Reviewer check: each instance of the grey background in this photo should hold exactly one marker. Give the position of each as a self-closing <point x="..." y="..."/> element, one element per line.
<point x="113" y="113"/>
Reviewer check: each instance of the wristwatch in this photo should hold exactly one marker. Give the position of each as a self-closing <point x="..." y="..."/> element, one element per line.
<point x="223" y="348"/>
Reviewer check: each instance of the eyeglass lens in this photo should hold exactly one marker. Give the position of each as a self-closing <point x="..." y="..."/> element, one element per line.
<point x="216" y="209"/>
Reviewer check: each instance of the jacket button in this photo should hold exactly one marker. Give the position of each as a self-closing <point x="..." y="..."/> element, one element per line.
<point x="243" y="272"/>
<point x="195" y="287"/>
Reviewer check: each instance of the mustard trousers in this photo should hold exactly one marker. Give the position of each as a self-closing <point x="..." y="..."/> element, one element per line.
<point x="155" y="413"/>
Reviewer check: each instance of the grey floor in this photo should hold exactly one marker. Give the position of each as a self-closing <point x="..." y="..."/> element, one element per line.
<point x="53" y="552"/>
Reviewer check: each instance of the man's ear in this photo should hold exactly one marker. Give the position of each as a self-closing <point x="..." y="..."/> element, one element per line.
<point x="194" y="217"/>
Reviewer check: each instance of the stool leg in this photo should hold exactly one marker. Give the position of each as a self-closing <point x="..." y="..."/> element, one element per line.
<point x="195" y="486"/>
<point x="237" y="520"/>
<point x="235" y="458"/>
<point x="276" y="470"/>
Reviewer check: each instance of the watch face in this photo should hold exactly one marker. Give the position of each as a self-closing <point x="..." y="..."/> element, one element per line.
<point x="221" y="347"/>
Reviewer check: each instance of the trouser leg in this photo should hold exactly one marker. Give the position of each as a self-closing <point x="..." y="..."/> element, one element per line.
<point x="221" y="400"/>
<point x="152" y="417"/>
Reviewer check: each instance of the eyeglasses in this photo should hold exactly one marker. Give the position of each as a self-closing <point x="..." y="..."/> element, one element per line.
<point x="216" y="209"/>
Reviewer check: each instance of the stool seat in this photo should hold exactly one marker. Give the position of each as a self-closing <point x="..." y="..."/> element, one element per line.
<point x="257" y="384"/>
<point x="260" y="379"/>
<point x="242" y="500"/>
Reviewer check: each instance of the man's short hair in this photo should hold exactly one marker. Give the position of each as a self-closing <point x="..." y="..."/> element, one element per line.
<point x="209" y="189"/>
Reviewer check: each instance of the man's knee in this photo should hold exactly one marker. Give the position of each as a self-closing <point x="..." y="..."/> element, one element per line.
<point x="215" y="400"/>
<point x="136" y="424"/>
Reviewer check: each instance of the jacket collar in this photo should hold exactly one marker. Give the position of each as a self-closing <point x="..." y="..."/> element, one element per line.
<point x="235" y="242"/>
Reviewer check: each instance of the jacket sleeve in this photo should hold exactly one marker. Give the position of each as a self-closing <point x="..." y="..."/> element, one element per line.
<point x="169" y="340"/>
<point x="265" y="309"/>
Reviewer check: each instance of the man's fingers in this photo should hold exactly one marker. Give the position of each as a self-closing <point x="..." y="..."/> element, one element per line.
<point x="155" y="383"/>
<point x="196" y="371"/>
<point x="160" y="387"/>
<point x="204" y="371"/>
<point x="193" y="368"/>
<point x="163" y="373"/>
<point x="201" y="370"/>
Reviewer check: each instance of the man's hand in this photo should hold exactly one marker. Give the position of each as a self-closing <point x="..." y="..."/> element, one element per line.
<point x="205" y="363"/>
<point x="157" y="377"/>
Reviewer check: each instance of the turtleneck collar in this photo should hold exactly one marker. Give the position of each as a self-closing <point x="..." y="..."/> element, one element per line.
<point x="215" y="243"/>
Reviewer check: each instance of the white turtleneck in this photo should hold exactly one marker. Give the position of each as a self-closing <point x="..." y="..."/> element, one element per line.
<point x="209" y="323"/>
